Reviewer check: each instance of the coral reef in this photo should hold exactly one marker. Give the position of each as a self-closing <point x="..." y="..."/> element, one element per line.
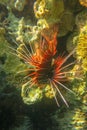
<point x="34" y="35"/>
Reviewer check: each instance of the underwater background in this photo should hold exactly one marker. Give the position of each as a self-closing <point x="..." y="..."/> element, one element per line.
<point x="54" y="33"/>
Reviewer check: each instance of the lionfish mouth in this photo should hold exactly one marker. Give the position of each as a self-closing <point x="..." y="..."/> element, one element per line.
<point x="45" y="69"/>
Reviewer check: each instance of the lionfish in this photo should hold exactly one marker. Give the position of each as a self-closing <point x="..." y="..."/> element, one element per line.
<point x="46" y="68"/>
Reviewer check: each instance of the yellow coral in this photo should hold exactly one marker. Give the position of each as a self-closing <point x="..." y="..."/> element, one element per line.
<point x="80" y="89"/>
<point x="49" y="10"/>
<point x="31" y="95"/>
<point x="40" y="10"/>
<point x="20" y="30"/>
<point x="48" y="92"/>
<point x="83" y="2"/>
<point x="42" y="23"/>
<point x="84" y="64"/>
<point x="82" y="47"/>
<point x="79" y="120"/>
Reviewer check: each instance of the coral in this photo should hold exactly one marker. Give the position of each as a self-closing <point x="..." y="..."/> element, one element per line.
<point x="33" y="95"/>
<point x="12" y="27"/>
<point x="34" y="70"/>
<point x="43" y="67"/>
<point x="66" y="23"/>
<point x="79" y="120"/>
<point x="76" y="120"/>
<point x="4" y="2"/>
<point x="43" y="23"/>
<point x="80" y="89"/>
<point x="20" y="33"/>
<point x="2" y="31"/>
<point x="10" y="64"/>
<point x="48" y="92"/>
<point x="70" y="40"/>
<point x="9" y="82"/>
<point x="3" y="12"/>
<point x="23" y="32"/>
<point x="82" y="47"/>
<point x="81" y="19"/>
<point x="78" y="109"/>
<point x="45" y="9"/>
<point x="72" y="6"/>
<point x="2" y="44"/>
<point x="83" y="2"/>
<point x="27" y="33"/>
<point x="20" y="4"/>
